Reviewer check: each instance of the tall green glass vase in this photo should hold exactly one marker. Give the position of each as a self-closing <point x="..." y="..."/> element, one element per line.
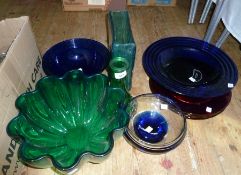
<point x="121" y="41"/>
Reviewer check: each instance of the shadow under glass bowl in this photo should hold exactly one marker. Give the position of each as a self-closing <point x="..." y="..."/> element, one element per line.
<point x="156" y="124"/>
<point x="190" y="67"/>
<point x="90" y="56"/>
<point x="194" y="108"/>
<point x="68" y="120"/>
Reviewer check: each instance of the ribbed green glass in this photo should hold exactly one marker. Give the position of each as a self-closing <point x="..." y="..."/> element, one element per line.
<point x="121" y="40"/>
<point x="66" y="119"/>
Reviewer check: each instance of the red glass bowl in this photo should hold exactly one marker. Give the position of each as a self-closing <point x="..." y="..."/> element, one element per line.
<point x="194" y="108"/>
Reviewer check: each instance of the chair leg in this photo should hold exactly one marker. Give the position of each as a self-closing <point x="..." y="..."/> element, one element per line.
<point x="214" y="21"/>
<point x="192" y="11"/>
<point x="222" y="38"/>
<point x="205" y="11"/>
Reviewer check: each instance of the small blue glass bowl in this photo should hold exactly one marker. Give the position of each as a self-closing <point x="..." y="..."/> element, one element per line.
<point x="91" y="56"/>
<point x="151" y="126"/>
<point x="156" y="123"/>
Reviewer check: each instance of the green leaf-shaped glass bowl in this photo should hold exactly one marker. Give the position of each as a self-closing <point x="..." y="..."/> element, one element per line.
<point x="68" y="120"/>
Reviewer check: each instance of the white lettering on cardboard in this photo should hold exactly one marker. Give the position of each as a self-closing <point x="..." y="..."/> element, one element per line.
<point x="13" y="144"/>
<point x="34" y="74"/>
<point x="9" y="156"/>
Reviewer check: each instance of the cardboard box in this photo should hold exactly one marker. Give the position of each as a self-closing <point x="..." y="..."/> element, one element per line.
<point x="152" y="2"/>
<point x="20" y="68"/>
<point x="85" y="5"/>
<point x="116" y="5"/>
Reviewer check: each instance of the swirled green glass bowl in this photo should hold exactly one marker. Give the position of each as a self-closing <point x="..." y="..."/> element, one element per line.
<point x="67" y="120"/>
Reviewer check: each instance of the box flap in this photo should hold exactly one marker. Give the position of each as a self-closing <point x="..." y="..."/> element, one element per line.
<point x="9" y="29"/>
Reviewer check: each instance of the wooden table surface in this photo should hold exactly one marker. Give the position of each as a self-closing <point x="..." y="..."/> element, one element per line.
<point x="211" y="146"/>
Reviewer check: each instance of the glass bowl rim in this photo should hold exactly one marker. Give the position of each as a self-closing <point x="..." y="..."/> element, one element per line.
<point x="22" y="141"/>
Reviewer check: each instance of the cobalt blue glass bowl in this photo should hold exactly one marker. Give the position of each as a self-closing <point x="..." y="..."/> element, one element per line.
<point x="90" y="56"/>
<point x="156" y="124"/>
<point x="190" y="67"/>
<point x="151" y="126"/>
